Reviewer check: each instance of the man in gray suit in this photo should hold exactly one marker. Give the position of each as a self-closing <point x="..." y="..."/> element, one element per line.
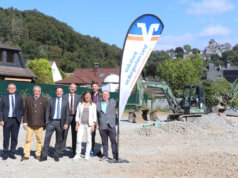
<point x="107" y="124"/>
<point x="57" y="119"/>
<point x="73" y="100"/>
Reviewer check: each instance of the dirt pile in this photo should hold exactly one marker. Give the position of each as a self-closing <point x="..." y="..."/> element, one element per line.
<point x="207" y="124"/>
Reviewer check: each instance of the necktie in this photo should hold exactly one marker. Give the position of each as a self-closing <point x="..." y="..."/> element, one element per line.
<point x="58" y="108"/>
<point x="71" y="105"/>
<point x="13" y="107"/>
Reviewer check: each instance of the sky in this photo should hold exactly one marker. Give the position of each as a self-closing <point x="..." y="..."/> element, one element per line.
<point x="192" y="22"/>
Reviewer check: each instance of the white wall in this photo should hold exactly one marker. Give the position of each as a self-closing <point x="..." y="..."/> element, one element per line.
<point x="55" y="72"/>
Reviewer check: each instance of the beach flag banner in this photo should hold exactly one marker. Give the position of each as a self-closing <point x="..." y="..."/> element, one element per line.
<point x="140" y="40"/>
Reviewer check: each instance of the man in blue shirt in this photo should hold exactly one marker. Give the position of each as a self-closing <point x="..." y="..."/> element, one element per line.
<point x="11" y="113"/>
<point x="107" y="121"/>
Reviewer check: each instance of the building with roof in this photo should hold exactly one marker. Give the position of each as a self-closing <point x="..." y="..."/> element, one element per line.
<point x="111" y="83"/>
<point x="85" y="76"/>
<point x="12" y="65"/>
<point x="55" y="72"/>
<point x="230" y="73"/>
<point x="215" y="48"/>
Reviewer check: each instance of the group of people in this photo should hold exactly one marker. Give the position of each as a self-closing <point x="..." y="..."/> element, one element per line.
<point x="85" y="114"/>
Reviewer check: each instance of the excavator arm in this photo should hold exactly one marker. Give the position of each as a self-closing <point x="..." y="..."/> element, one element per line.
<point x="160" y="90"/>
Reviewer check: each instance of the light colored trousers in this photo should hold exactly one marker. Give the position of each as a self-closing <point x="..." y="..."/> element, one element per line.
<point x="29" y="135"/>
<point x="82" y="129"/>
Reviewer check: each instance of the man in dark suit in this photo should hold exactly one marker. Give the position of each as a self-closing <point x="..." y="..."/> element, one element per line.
<point x="107" y="124"/>
<point x="57" y="119"/>
<point x="11" y="112"/>
<point x="73" y="100"/>
<point x="34" y="121"/>
<point x="96" y="97"/>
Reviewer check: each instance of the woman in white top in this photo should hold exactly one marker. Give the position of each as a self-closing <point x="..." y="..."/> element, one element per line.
<point x="85" y="119"/>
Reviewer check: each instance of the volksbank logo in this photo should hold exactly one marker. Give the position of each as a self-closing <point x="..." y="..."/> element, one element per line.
<point x="145" y="30"/>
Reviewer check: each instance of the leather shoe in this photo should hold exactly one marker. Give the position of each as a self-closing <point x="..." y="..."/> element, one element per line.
<point x="43" y="159"/>
<point x="103" y="158"/>
<point x="24" y="158"/>
<point x="4" y="156"/>
<point x="112" y="161"/>
<point x="38" y="158"/>
<point x="56" y="158"/>
<point x="12" y="156"/>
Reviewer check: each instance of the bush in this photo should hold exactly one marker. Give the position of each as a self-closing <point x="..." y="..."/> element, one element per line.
<point x="215" y="91"/>
<point x="42" y="68"/>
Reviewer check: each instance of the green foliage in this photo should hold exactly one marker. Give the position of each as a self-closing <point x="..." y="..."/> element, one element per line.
<point x="187" y="48"/>
<point x="150" y="68"/>
<point x="234" y="102"/>
<point x="216" y="90"/>
<point x="41" y="36"/>
<point x="235" y="48"/>
<point x="180" y="72"/>
<point x="231" y="56"/>
<point x="63" y="75"/>
<point x="42" y="68"/>
<point x="195" y="51"/>
<point x="179" y="52"/>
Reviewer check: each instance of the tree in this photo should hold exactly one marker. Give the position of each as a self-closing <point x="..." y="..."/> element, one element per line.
<point x="180" y="72"/>
<point x="42" y="69"/>
<point x="235" y="48"/>
<point x="187" y="48"/>
<point x="41" y="36"/>
<point x="230" y="56"/>
<point x="179" y="52"/>
<point x="216" y="90"/>
<point x="195" y="51"/>
<point x="151" y="69"/>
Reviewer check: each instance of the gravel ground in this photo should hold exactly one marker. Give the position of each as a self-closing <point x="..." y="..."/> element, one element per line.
<point x="206" y="147"/>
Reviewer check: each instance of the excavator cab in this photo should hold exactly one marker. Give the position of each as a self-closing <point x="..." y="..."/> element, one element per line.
<point x="193" y="99"/>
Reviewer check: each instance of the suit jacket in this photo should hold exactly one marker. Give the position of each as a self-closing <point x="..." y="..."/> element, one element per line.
<point x="109" y="116"/>
<point x="99" y="96"/>
<point x="50" y="111"/>
<point x="35" y="115"/>
<point x="4" y="107"/>
<point x="76" y="101"/>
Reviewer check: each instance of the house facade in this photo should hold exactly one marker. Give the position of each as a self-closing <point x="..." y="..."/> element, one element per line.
<point x="214" y="48"/>
<point x="85" y="76"/>
<point x="55" y="72"/>
<point x="12" y="65"/>
<point x="230" y="73"/>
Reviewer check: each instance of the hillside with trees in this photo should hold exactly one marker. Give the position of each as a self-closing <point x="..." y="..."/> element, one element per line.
<point x="41" y="36"/>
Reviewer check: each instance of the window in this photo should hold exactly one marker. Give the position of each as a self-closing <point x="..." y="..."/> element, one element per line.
<point x="10" y="57"/>
<point x="1" y="55"/>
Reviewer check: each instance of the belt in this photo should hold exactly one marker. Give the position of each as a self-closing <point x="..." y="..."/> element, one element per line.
<point x="12" y="117"/>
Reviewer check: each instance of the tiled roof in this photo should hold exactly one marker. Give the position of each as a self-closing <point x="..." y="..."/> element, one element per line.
<point x="16" y="72"/>
<point x="4" y="46"/>
<point x="85" y="76"/>
<point x="230" y="75"/>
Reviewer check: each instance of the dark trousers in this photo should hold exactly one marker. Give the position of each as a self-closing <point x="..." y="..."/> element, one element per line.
<point x="111" y="133"/>
<point x="93" y="139"/>
<point x="10" y="129"/>
<point x="74" y="136"/>
<point x="50" y="128"/>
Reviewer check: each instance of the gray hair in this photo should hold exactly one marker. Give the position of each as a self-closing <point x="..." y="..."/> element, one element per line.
<point x="106" y="91"/>
<point x="36" y="86"/>
<point x="11" y="84"/>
